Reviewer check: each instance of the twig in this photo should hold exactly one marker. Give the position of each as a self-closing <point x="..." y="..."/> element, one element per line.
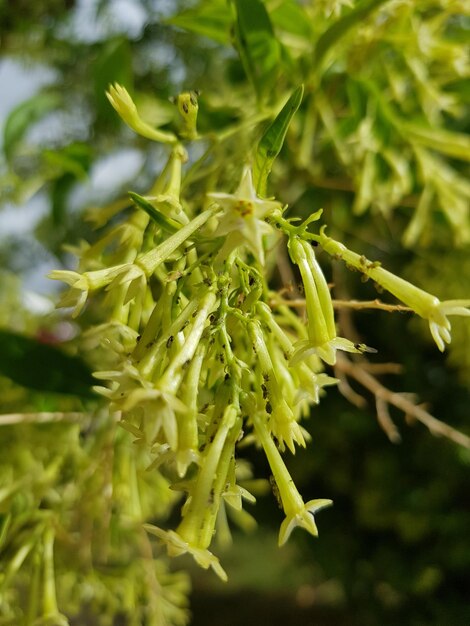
<point x="382" y="368"/>
<point x="345" y="304"/>
<point x="348" y="392"/>
<point x="370" y="304"/>
<point x="8" y="419"/>
<point x="354" y="370"/>
<point x="385" y="421"/>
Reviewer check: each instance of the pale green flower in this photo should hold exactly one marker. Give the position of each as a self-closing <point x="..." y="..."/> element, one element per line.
<point x="322" y="339"/>
<point x="83" y="284"/>
<point x="302" y="516"/>
<point x="177" y="546"/>
<point x="283" y="424"/>
<point x="439" y="325"/>
<point x="423" y="303"/>
<point x="124" y="105"/>
<point x="327" y="350"/>
<point x="134" y="273"/>
<point x="242" y="220"/>
<point x="297" y="512"/>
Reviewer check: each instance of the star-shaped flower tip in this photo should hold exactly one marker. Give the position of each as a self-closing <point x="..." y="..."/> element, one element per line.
<point x="326" y="351"/>
<point x="176" y="546"/>
<point x="439" y="325"/>
<point x="303" y="517"/>
<point x="123" y="104"/>
<point x="243" y="216"/>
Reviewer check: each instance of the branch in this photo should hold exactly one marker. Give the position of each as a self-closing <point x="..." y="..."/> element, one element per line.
<point x="370" y="304"/>
<point x="344" y="304"/>
<point x="400" y="401"/>
<point x="8" y="419"/>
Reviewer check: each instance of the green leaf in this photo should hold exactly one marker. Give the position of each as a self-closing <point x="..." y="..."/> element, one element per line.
<point x="60" y="191"/>
<point x="169" y="225"/>
<point x="259" y="50"/>
<point x="452" y="144"/>
<point x="69" y="164"/>
<point x="113" y="65"/>
<point x="210" y="19"/>
<point x="271" y="142"/>
<point x="290" y="17"/>
<point x="342" y="27"/>
<point x="75" y="159"/>
<point x="25" y="115"/>
<point x="43" y="367"/>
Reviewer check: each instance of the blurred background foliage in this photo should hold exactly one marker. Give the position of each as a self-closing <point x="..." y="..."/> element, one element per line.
<point x="381" y="143"/>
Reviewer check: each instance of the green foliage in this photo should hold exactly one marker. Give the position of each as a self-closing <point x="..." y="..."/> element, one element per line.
<point x="257" y="46"/>
<point x="211" y="20"/>
<point x="24" y="116"/>
<point x="23" y="361"/>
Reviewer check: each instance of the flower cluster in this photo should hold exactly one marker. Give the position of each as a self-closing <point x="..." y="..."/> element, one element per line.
<point x="202" y="357"/>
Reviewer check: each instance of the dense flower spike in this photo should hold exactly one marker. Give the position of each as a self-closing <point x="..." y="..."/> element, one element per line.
<point x="198" y="354"/>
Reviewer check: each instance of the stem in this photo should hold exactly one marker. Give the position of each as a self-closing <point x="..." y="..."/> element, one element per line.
<point x="49" y="599"/>
<point x="420" y="301"/>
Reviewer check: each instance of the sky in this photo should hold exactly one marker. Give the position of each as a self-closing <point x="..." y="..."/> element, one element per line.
<point x="20" y="81"/>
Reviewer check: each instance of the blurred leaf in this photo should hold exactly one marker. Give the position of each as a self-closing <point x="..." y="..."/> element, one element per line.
<point x="271" y="142"/>
<point x="257" y="45"/>
<point x="455" y="145"/>
<point x="210" y="19"/>
<point x="25" y="115"/>
<point x="342" y="27"/>
<point x="291" y="17"/>
<point x="75" y="159"/>
<point x="43" y="367"/>
<point x="60" y="191"/>
<point x="113" y="65"/>
<point x="72" y="163"/>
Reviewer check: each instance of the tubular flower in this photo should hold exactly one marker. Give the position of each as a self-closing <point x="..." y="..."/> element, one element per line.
<point x="322" y="339"/>
<point x="297" y="512"/>
<point x="423" y="303"/>
<point x="121" y="101"/>
<point x="283" y="424"/>
<point x="243" y="215"/>
<point x="83" y="284"/>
